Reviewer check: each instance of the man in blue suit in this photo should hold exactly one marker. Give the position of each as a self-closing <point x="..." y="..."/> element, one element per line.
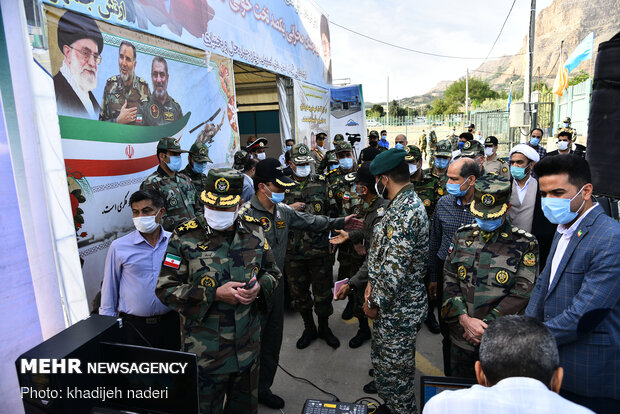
<point x="577" y="295"/>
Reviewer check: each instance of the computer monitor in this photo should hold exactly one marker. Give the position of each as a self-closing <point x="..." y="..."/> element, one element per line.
<point x="431" y="386"/>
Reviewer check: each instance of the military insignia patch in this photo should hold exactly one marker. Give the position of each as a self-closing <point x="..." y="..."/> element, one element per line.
<point x="266" y="223"/>
<point x="202" y="151"/>
<point x="254" y="273"/>
<point x="203" y="247"/>
<point x="357" y="210"/>
<point x="330" y="194"/>
<point x="173" y="202"/>
<point x="207" y="281"/>
<point x="504" y="170"/>
<point x="487" y="200"/>
<point x="266" y="246"/>
<point x="427" y="202"/>
<point x="468" y="243"/>
<point x="350" y="177"/>
<point x="339" y="194"/>
<point x="317" y="207"/>
<point x="303" y="150"/>
<point x="168" y="116"/>
<point x="467" y="145"/>
<point x="502" y="277"/>
<point x="155" y="111"/>
<point x="280" y="224"/>
<point x="462" y="272"/>
<point x="172" y="261"/>
<point x="346" y="196"/>
<point x="222" y="185"/>
<point x="380" y="211"/>
<point x="390" y="232"/>
<point x="440" y="191"/>
<point x="504" y="235"/>
<point x="529" y="259"/>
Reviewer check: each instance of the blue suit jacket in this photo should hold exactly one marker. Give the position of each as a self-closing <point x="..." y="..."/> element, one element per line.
<point x="581" y="308"/>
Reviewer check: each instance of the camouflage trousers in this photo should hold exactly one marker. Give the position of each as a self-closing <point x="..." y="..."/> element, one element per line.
<point x="349" y="261"/>
<point x="462" y="362"/>
<point x="393" y="357"/>
<point x="239" y="388"/>
<point x="304" y="273"/>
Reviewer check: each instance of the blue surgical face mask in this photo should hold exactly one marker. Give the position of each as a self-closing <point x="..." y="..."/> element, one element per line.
<point x="276" y="197"/>
<point x="442" y="163"/>
<point x="535" y="141"/>
<point x="175" y="163"/>
<point x="413" y="168"/>
<point x="288" y="148"/>
<point x="557" y="210"/>
<point x="346" y="163"/>
<point x="489" y="225"/>
<point x="461" y="143"/>
<point x="518" y="173"/>
<point x="399" y="146"/>
<point x="199" y="167"/>
<point x="302" y="171"/>
<point x="563" y="145"/>
<point x="566" y="124"/>
<point x="455" y="189"/>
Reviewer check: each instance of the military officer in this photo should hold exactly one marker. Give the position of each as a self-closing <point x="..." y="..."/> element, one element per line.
<point x="307" y="254"/>
<point x="439" y="166"/>
<point x="330" y="158"/>
<point x="490" y="271"/>
<point x="422" y="143"/>
<point x="180" y="197"/>
<point x="474" y="150"/>
<point x="197" y="160"/>
<point x="372" y="150"/>
<point x="395" y="296"/>
<point x="266" y="206"/>
<point x="217" y="268"/>
<point x="566" y="127"/>
<point x="493" y="164"/>
<point x="124" y="93"/>
<point x="160" y="108"/>
<point x="318" y="152"/>
<point x="257" y="148"/>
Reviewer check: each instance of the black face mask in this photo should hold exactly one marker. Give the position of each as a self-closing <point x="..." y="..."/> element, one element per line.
<point x="373" y="143"/>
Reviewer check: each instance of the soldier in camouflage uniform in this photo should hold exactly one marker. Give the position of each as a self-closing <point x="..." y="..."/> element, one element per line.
<point x="493" y="164"/>
<point x="196" y="165"/>
<point x="307" y="254"/>
<point x="212" y="275"/>
<point x="342" y="188"/>
<point x="567" y="128"/>
<point x="490" y="271"/>
<point x="160" y="108"/>
<point x="180" y="197"/>
<point x="124" y="93"/>
<point x="422" y="143"/>
<point x="439" y="166"/>
<point x="330" y="157"/>
<point x="395" y="295"/>
<point x="475" y="151"/>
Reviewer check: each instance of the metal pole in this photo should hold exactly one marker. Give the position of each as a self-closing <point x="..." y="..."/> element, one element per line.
<point x="527" y="85"/>
<point x="467" y="96"/>
<point x="387" y="114"/>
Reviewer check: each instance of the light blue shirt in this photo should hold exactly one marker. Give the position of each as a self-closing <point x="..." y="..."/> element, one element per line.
<point x="131" y="270"/>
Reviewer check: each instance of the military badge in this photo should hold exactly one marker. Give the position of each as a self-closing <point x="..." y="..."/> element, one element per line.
<point x="254" y="272"/>
<point x="207" y="281"/>
<point x="427" y="202"/>
<point x="468" y="243"/>
<point x="390" y="232"/>
<point x="266" y="223"/>
<point x="266" y="246"/>
<point x="462" y="272"/>
<point x="172" y="261"/>
<point x="502" y="277"/>
<point x="222" y="185"/>
<point x="280" y="224"/>
<point x="440" y="191"/>
<point x="303" y="150"/>
<point x="504" y="170"/>
<point x="476" y="233"/>
<point x="346" y="196"/>
<point x="202" y="151"/>
<point x="339" y="194"/>
<point x="330" y="194"/>
<point x="467" y="145"/>
<point x="380" y="212"/>
<point x="168" y="116"/>
<point x="317" y="207"/>
<point x="202" y="247"/>
<point x="350" y="177"/>
<point x="357" y="210"/>
<point x="529" y="259"/>
<point x="487" y="200"/>
<point x="155" y="111"/>
<point x="504" y="235"/>
<point x="173" y="202"/>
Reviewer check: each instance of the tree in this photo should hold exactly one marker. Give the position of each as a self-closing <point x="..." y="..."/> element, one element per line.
<point x="397" y="110"/>
<point x="582" y="76"/>
<point x="378" y="109"/>
<point x="479" y="90"/>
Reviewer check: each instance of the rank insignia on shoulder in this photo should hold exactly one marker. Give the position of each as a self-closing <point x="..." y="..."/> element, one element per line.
<point x="468" y="243"/>
<point x="350" y="177"/>
<point x="321" y="177"/>
<point x="502" y="277"/>
<point x="203" y="247"/>
<point x="207" y="281"/>
<point x="529" y="259"/>
<point x="251" y="219"/>
<point x="504" y="235"/>
<point x="172" y="261"/>
<point x="188" y="225"/>
<point x="440" y="191"/>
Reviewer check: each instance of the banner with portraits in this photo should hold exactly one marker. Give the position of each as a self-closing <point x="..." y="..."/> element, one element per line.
<point x="311" y="112"/>
<point x="347" y="115"/>
<point x="118" y="92"/>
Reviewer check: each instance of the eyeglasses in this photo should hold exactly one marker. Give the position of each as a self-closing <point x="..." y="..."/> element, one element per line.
<point x="87" y="54"/>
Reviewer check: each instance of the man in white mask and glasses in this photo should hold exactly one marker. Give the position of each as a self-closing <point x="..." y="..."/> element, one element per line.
<point x="219" y="273"/>
<point x="130" y="276"/>
<point x="492" y="163"/>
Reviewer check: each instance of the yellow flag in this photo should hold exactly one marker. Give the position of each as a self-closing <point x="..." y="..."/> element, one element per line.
<point x="561" y="79"/>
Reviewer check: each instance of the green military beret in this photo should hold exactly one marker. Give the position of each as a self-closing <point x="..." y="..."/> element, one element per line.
<point x="491" y="196"/>
<point x="223" y="188"/>
<point x="387" y="161"/>
<point x="170" y="144"/>
<point x="200" y="152"/>
<point x="413" y="153"/>
<point x="342" y="146"/>
<point x="444" y="148"/>
<point x="472" y="149"/>
<point x="299" y="154"/>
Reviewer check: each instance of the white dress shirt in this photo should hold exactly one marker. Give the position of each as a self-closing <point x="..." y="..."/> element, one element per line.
<point x="566" y="233"/>
<point x="521" y="191"/>
<point x="515" y="395"/>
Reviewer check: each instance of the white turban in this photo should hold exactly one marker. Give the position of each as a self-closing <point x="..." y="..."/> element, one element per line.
<point x="526" y="150"/>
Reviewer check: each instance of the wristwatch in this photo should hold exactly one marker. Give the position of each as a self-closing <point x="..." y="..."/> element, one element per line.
<point x="370" y="304"/>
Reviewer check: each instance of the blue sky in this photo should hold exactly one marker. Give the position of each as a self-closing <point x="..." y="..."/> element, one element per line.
<point x="451" y="27"/>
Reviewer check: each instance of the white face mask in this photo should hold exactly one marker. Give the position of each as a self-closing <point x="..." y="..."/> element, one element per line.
<point x="146" y="224"/>
<point x="261" y="155"/>
<point x="563" y="145"/>
<point x="302" y="171"/>
<point x="220" y="220"/>
<point x="488" y="151"/>
<point x="413" y="168"/>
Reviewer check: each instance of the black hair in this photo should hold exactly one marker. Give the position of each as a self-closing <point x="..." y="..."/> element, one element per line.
<point x="382" y="131"/>
<point x="257" y="180"/>
<point x="131" y="45"/>
<point x="577" y="168"/>
<point x="152" y="195"/>
<point x="533" y="352"/>
<point x="538" y="129"/>
<point x="289" y="139"/>
<point x="249" y="164"/>
<point x="467" y="135"/>
<point x="470" y="168"/>
<point x="400" y="174"/>
<point x="160" y="60"/>
<point x="566" y="134"/>
<point x="287" y="157"/>
<point x="161" y="151"/>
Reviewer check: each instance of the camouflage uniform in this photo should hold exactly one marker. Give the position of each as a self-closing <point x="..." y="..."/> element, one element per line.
<point x="115" y="94"/>
<point x="224" y="337"/>
<point x="486" y="274"/>
<point x="330" y="156"/>
<point x="573" y="131"/>
<point x="154" y="113"/>
<point x="443" y="150"/>
<point x="180" y="197"/>
<point x="307" y="253"/>
<point x="428" y="186"/>
<point x="454" y="141"/>
<point x="396" y="267"/>
<point x="422" y="144"/>
<point x="199" y="153"/>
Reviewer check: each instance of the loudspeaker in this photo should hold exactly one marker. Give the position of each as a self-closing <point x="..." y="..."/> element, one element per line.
<point x="604" y="124"/>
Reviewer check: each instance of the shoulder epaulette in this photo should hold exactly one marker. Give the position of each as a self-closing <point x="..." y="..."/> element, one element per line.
<point x="466" y="227"/>
<point x="523" y="233"/>
<point x="140" y="80"/>
<point x="244" y="208"/>
<point x="187" y="226"/>
<point x="503" y="161"/>
<point x="113" y="78"/>
<point x="251" y="219"/>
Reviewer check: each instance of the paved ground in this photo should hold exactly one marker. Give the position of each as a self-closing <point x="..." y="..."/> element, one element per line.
<point x="343" y="371"/>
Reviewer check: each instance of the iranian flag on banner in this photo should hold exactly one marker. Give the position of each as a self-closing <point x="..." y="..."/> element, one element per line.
<point x="97" y="149"/>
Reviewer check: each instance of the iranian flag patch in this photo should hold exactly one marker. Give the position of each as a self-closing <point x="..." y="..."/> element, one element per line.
<point x="172" y="261"/>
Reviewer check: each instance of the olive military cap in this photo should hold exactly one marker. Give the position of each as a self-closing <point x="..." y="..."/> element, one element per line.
<point x="342" y="146"/>
<point x="200" y="152"/>
<point x="338" y="138"/>
<point x="387" y="161"/>
<point x="491" y="141"/>
<point x="299" y="154"/>
<point x="223" y="188"/>
<point x="472" y="149"/>
<point x="331" y="157"/>
<point x="444" y="148"/>
<point x="413" y="153"/>
<point x="170" y="144"/>
<point x="491" y="196"/>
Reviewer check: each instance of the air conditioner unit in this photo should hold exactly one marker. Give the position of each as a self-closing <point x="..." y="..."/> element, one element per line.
<point x="519" y="117"/>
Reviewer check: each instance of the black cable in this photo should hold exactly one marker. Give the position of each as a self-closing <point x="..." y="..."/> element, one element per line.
<point x="121" y="320"/>
<point x="500" y="32"/>
<point x="336" y="399"/>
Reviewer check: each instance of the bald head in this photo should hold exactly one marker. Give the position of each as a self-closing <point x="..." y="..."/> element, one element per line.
<point x="463" y="168"/>
<point x="400" y="139"/>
